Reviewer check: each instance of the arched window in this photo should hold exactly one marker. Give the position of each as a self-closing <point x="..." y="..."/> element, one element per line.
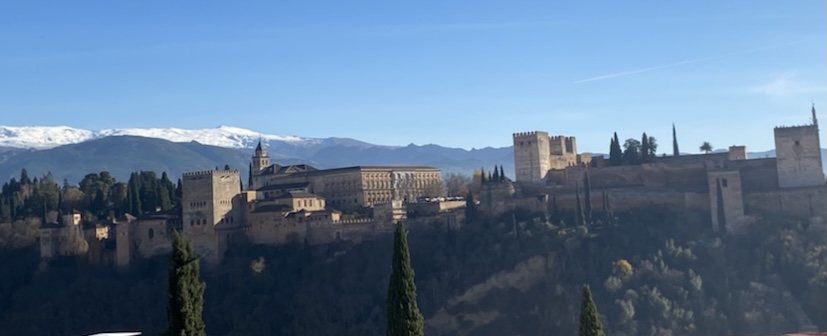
<point x="151" y="233"/>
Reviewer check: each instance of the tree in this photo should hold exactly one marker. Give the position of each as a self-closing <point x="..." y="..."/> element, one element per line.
<point x="644" y="148"/>
<point x="579" y="215"/>
<point x="615" y="153"/>
<point x="631" y="152"/>
<point x="706" y="147"/>
<point x="457" y="184"/>
<point x="402" y="313"/>
<point x="653" y="146"/>
<point x="185" y="291"/>
<point x="470" y="207"/>
<point x="719" y="205"/>
<point x="496" y="174"/>
<point x="502" y="174"/>
<point x="587" y="186"/>
<point x="675" y="150"/>
<point x="589" y="322"/>
<point x="250" y="178"/>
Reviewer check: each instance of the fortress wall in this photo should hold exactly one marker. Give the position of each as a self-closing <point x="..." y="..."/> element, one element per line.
<point x="625" y="199"/>
<point x="759" y="175"/>
<point x="693" y="158"/>
<point x="806" y="202"/>
<point x="156" y="242"/>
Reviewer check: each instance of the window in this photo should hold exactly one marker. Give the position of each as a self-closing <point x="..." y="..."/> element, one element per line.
<point x="151" y="233"/>
<point x="797" y="143"/>
<point x="723" y="183"/>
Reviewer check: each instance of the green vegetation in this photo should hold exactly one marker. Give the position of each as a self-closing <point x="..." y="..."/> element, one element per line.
<point x="590" y="324"/>
<point x="402" y="313"/>
<point x="651" y="271"/>
<point x="634" y="151"/>
<point x="186" y="291"/>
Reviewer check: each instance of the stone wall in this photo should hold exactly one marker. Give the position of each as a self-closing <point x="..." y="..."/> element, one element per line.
<point x="733" y="200"/>
<point x="799" y="202"/>
<point x="152" y="236"/>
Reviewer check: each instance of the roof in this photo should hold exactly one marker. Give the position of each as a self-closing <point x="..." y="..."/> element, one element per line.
<point x="273" y="208"/>
<point x="310" y="170"/>
<point x="296" y="194"/>
<point x="284" y="186"/>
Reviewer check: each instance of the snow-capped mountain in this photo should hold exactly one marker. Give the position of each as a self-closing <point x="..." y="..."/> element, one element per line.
<point x="44" y="137"/>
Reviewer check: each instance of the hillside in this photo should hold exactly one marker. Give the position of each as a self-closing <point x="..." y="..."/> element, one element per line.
<point x="656" y="272"/>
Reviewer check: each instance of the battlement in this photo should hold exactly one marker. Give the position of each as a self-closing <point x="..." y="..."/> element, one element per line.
<point x="532" y="134"/>
<point x="793" y="127"/>
<point x="354" y="221"/>
<point x="209" y="173"/>
<point x="561" y="138"/>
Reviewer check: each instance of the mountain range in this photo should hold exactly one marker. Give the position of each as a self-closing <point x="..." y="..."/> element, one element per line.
<point x="70" y="153"/>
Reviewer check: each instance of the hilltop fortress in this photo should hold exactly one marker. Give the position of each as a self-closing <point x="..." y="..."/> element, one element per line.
<point x="281" y="204"/>
<point x="549" y="169"/>
<point x="299" y="203"/>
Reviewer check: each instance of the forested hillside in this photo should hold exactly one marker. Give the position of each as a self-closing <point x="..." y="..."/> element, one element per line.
<point x="653" y="272"/>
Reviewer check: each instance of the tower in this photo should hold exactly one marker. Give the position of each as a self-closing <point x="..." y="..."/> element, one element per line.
<point x="210" y="210"/>
<point x="798" y="155"/>
<point x="531" y="156"/>
<point x="260" y="159"/>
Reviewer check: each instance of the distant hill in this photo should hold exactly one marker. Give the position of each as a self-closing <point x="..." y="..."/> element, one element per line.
<point x="71" y="153"/>
<point x="121" y="155"/>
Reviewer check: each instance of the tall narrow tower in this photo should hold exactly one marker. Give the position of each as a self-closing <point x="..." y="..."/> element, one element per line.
<point x="260" y="159"/>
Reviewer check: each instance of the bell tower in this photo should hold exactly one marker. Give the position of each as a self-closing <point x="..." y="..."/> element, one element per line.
<point x="260" y="159"/>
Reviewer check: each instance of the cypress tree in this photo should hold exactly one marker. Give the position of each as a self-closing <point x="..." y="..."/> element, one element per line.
<point x="490" y="178"/>
<point x="250" y="178"/>
<point x="615" y="152"/>
<point x="579" y="216"/>
<point x="675" y="150"/>
<point x="720" y="207"/>
<point x="482" y="175"/>
<point x="589" y="322"/>
<point x="470" y="207"/>
<point x="644" y="148"/>
<point x="185" y="291"/>
<point x="402" y="314"/>
<point x="496" y="174"/>
<point x="587" y="185"/>
<point x="502" y="174"/>
<point x="555" y="211"/>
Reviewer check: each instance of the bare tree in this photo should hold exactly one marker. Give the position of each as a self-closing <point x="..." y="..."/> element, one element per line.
<point x="457" y="184"/>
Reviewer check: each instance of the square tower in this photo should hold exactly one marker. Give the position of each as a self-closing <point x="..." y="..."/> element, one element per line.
<point x="798" y="156"/>
<point x="531" y="156"/>
<point x="209" y="210"/>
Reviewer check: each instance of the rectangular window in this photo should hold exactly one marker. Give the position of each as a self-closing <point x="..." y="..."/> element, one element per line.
<point x="723" y="183"/>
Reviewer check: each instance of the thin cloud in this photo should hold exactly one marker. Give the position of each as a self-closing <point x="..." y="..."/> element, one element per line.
<point x="677" y="64"/>
<point x="785" y="85"/>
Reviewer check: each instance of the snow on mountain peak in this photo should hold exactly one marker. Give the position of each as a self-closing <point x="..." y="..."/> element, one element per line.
<point x="43" y="137"/>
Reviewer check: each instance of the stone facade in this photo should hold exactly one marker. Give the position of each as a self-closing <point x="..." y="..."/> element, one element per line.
<point x="210" y="210"/>
<point x="350" y="188"/>
<point x="536" y="153"/>
<point x="798" y="156"/>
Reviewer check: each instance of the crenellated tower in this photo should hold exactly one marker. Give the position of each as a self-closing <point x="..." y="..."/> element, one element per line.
<point x="798" y="155"/>
<point x="211" y="210"/>
<point x="531" y="156"/>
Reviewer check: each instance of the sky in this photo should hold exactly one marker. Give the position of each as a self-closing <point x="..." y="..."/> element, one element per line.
<point x="455" y="73"/>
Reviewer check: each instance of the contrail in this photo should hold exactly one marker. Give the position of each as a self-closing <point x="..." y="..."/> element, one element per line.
<point x="696" y="60"/>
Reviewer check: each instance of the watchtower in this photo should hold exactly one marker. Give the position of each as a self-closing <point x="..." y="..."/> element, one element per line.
<point x="260" y="159"/>
<point x="210" y="210"/>
<point x="531" y="156"/>
<point x="798" y="156"/>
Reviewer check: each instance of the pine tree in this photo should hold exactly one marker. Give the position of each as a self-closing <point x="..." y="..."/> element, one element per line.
<point x="675" y="150"/>
<point x="590" y="324"/>
<point x="587" y="186"/>
<point x="185" y="291"/>
<point x="402" y="313"/>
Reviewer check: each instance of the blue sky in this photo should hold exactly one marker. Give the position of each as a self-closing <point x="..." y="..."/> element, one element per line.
<point x="456" y="73"/>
